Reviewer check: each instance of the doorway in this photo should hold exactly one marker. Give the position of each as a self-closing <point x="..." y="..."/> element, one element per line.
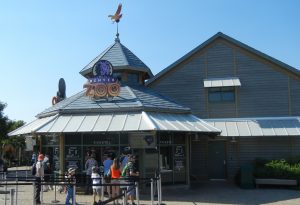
<point x="216" y="160"/>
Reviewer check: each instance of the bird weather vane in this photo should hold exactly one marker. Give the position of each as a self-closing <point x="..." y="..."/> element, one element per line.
<point x="116" y="17"/>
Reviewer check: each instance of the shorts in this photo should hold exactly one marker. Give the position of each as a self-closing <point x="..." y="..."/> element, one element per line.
<point x="131" y="190"/>
<point x="97" y="190"/>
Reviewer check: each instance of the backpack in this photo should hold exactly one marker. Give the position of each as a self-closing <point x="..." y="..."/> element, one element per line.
<point x="33" y="169"/>
<point x="124" y="170"/>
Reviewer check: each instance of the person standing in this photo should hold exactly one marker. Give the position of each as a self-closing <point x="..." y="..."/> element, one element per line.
<point x="38" y="178"/>
<point x="106" y="166"/>
<point x="70" y="185"/>
<point x="47" y="172"/>
<point x="131" y="172"/>
<point x="33" y="158"/>
<point x="96" y="185"/>
<point x="115" y="176"/>
<point x="90" y="163"/>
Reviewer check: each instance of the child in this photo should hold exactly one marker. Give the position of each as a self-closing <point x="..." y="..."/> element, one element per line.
<point x="96" y="181"/>
<point x="70" y="188"/>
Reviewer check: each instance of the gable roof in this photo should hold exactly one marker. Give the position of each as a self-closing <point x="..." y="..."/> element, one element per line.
<point x="120" y="57"/>
<point x="131" y="98"/>
<point x="231" y="40"/>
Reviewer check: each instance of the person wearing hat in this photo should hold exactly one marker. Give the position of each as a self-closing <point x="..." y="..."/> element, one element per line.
<point x="89" y="164"/>
<point x="70" y="185"/>
<point x="38" y="178"/>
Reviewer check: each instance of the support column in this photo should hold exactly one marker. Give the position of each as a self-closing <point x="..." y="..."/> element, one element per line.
<point x="61" y="153"/>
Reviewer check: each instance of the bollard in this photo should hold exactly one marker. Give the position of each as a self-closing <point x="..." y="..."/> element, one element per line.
<point x="12" y="193"/>
<point x="137" y="193"/>
<point x="152" y="192"/>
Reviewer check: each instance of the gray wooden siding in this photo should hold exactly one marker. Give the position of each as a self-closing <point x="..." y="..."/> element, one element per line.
<point x="295" y="96"/>
<point x="233" y="164"/>
<point x="185" y="85"/>
<point x="198" y="164"/>
<point x="220" y="61"/>
<point x="264" y="90"/>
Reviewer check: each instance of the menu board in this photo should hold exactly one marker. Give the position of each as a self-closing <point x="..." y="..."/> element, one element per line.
<point x="179" y="158"/>
<point x="56" y="158"/>
<point x="73" y="157"/>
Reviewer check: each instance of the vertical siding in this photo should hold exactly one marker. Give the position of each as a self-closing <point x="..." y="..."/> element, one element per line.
<point x="295" y="96"/>
<point x="232" y="159"/>
<point x="264" y="91"/>
<point x="185" y="85"/>
<point x="220" y="61"/>
<point x="199" y="159"/>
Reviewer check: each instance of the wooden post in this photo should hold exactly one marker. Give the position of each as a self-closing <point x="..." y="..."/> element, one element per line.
<point x="62" y="153"/>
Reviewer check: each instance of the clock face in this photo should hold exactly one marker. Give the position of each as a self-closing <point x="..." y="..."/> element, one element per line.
<point x="102" y="68"/>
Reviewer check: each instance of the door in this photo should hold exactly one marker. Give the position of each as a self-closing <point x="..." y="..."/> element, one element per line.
<point x="216" y="160"/>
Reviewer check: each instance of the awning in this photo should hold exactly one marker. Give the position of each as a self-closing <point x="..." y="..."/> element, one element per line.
<point x="32" y="126"/>
<point x="139" y="121"/>
<point x="221" y="82"/>
<point x="245" y="127"/>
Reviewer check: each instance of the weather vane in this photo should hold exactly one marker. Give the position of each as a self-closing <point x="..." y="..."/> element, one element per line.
<point x="116" y="17"/>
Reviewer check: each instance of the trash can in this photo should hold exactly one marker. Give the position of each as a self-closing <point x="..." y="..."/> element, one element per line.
<point x="246" y="177"/>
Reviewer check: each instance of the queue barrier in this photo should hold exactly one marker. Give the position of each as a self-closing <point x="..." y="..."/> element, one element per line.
<point x="60" y="180"/>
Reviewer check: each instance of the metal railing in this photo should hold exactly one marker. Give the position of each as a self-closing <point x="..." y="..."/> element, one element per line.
<point x="26" y="179"/>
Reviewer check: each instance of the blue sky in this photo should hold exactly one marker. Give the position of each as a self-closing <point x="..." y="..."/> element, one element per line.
<point x="42" y="41"/>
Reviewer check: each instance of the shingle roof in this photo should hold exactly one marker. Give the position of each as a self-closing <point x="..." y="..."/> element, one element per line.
<point x="120" y="57"/>
<point x="130" y="99"/>
<point x="229" y="39"/>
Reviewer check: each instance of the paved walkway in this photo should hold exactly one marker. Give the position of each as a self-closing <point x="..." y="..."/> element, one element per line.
<point x="209" y="193"/>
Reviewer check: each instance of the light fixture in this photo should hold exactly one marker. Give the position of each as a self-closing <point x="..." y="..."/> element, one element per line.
<point x="233" y="140"/>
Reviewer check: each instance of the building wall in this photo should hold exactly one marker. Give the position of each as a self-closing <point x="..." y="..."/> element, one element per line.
<point x="266" y="90"/>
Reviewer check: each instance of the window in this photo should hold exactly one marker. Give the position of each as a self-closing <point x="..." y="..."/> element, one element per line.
<point x="221" y="94"/>
<point x="132" y="78"/>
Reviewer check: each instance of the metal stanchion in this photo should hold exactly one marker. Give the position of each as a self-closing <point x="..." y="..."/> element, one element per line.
<point x="55" y="200"/>
<point x="137" y="193"/>
<point x="152" y="192"/>
<point x="125" y="197"/>
<point x="74" y="192"/>
<point x="158" y="190"/>
<point x="33" y="201"/>
<point x="42" y="190"/>
<point x="16" y="191"/>
<point x="102" y="188"/>
<point x="12" y="193"/>
<point x="5" y="198"/>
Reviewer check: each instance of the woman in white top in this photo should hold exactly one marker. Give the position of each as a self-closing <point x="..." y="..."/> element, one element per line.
<point x="96" y="184"/>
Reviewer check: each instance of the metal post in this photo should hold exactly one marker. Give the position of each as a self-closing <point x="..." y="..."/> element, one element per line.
<point x="33" y="201"/>
<point x="16" y="191"/>
<point x="12" y="193"/>
<point x="137" y="193"/>
<point x="55" y="200"/>
<point x="125" y="197"/>
<point x="74" y="193"/>
<point x="5" y="198"/>
<point x="152" y="192"/>
<point x="102" y="188"/>
<point x="42" y="190"/>
<point x="159" y="190"/>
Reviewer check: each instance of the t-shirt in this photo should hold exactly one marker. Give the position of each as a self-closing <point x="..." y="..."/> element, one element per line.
<point x="107" y="163"/>
<point x="39" y="169"/>
<point x="90" y="163"/>
<point x="96" y="180"/>
<point x="115" y="173"/>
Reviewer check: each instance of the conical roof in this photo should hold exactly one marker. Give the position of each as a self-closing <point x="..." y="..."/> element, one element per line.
<point x="121" y="58"/>
<point x="131" y="98"/>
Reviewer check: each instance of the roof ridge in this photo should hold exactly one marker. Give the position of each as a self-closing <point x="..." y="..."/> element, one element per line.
<point x="233" y="41"/>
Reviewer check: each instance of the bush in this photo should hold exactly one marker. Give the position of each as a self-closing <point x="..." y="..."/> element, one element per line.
<point x="279" y="169"/>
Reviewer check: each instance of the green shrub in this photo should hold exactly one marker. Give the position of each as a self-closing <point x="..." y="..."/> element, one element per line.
<point x="279" y="169"/>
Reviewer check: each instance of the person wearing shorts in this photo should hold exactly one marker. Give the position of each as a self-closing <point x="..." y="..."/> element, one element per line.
<point x="96" y="185"/>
